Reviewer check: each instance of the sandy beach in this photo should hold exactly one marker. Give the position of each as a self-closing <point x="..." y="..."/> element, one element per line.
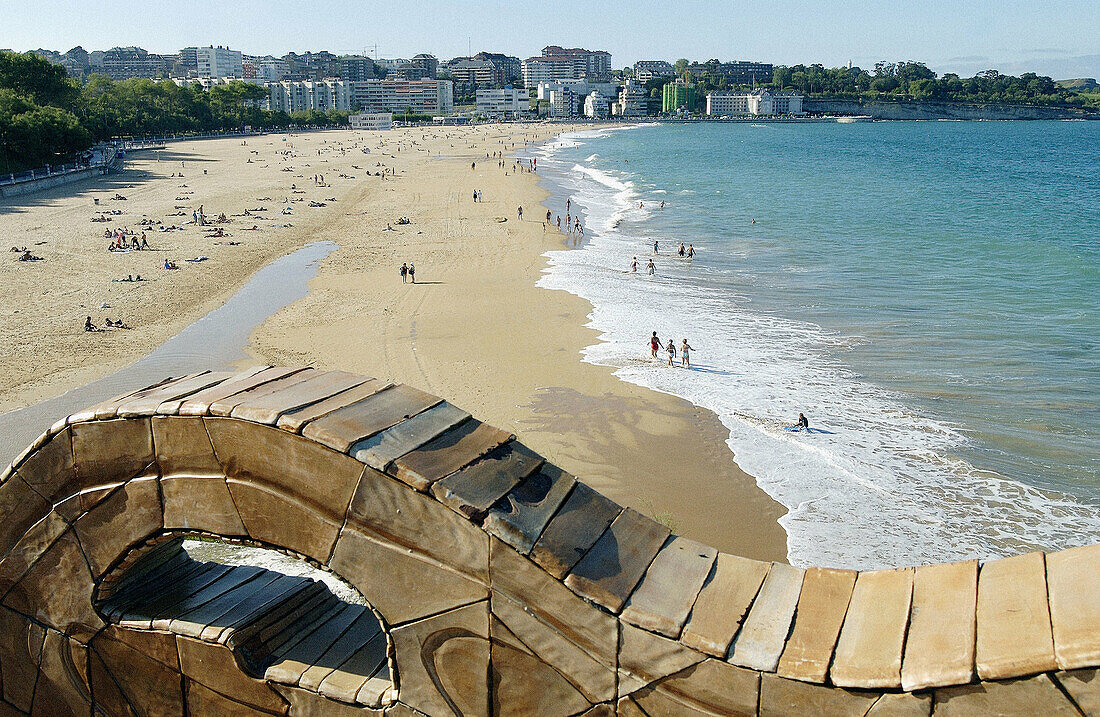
<point x="474" y="328"/>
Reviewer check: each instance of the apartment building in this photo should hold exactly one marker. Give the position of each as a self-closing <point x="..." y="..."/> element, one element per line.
<point x="503" y="103"/>
<point x="219" y="62"/>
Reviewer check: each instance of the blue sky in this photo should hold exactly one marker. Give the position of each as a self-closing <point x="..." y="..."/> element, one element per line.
<point x="1057" y="37"/>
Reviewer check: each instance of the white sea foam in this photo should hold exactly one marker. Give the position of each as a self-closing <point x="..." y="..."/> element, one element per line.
<point x="880" y="488"/>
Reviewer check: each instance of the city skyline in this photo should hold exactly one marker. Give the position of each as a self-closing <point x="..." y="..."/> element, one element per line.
<point x="964" y="36"/>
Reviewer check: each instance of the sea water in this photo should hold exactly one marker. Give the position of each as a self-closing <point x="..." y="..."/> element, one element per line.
<point x="927" y="293"/>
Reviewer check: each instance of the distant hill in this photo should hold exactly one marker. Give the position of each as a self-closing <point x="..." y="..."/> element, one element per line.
<point x="1081" y="84"/>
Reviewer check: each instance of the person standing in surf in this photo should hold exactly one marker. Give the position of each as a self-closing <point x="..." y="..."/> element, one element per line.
<point x="656" y="247"/>
<point x="671" y="348"/>
<point x="650" y="267"/>
<point x="685" y="358"/>
<point x="654" y="345"/>
<point x="634" y="266"/>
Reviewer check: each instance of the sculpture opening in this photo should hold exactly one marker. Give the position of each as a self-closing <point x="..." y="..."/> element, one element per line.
<point x="243" y="634"/>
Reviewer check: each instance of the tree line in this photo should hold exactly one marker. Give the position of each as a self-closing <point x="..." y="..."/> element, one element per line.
<point x="892" y="80"/>
<point x="46" y="117"/>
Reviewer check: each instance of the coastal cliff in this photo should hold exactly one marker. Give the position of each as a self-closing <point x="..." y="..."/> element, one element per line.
<point x="931" y="110"/>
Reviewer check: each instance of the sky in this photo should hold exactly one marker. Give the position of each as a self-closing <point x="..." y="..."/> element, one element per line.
<point x="1060" y="38"/>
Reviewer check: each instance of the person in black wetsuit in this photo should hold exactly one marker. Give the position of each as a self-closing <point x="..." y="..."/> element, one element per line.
<point x="803" y="424"/>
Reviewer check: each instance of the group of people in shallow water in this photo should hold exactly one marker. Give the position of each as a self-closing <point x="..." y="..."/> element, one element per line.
<point x="685" y="350"/>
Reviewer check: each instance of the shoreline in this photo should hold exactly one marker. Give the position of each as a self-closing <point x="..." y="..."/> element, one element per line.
<point x="476" y="329"/>
<point x="485" y="336"/>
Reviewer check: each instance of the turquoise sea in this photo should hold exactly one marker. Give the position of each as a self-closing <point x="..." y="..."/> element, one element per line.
<point x="928" y="293"/>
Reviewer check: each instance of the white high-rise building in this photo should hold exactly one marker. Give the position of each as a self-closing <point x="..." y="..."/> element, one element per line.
<point x="418" y="96"/>
<point x="219" y="62"/>
<point x="296" y="96"/>
<point x="508" y="102"/>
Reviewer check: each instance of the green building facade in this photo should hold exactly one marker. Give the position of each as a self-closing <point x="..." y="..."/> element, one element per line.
<point x="676" y="95"/>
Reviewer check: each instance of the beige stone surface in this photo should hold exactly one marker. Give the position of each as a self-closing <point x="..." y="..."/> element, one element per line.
<point x="1074" y="607"/>
<point x="172" y="407"/>
<point x="663" y="599"/>
<point x="523" y="684"/>
<point x="553" y="604"/>
<point x="448" y="453"/>
<point x="311" y="704"/>
<point x="445" y="662"/>
<point x="519" y="518"/>
<point x="280" y="519"/>
<point x="51" y="469"/>
<point x="225" y="406"/>
<point x="200" y="503"/>
<point x="57" y="590"/>
<point x="294" y="421"/>
<point x="267" y="408"/>
<point x="38" y="538"/>
<point x="595" y="680"/>
<point x="820" y="613"/>
<point x="400" y="584"/>
<point x="868" y="653"/>
<point x="314" y="475"/>
<point x="379" y="450"/>
<point x="202" y="700"/>
<point x="780" y="697"/>
<point x="150" y="687"/>
<point x="183" y="446"/>
<point x="1030" y="696"/>
<point x="123" y="519"/>
<point x="939" y="649"/>
<point x="214" y="666"/>
<point x="610" y="570"/>
<point x="397" y="514"/>
<point x="1083" y="686"/>
<point x="364" y="629"/>
<point x="578" y="524"/>
<point x="159" y="646"/>
<point x="372" y="414"/>
<point x="198" y="404"/>
<point x="20" y="508"/>
<point x="711" y="687"/>
<point x="723" y="603"/>
<point x="20" y="652"/>
<point x="345" y="682"/>
<point x="759" y="644"/>
<point x="474" y="489"/>
<point x="645" y="658"/>
<point x="289" y="664"/>
<point x="110" y="451"/>
<point x="146" y="403"/>
<point x="902" y="704"/>
<point x="1013" y="619"/>
<point x="60" y="689"/>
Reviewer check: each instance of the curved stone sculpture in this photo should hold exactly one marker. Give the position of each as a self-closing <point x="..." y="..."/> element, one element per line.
<point x="498" y="583"/>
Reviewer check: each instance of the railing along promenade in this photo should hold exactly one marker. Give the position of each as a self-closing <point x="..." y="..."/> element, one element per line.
<point x="495" y="583"/>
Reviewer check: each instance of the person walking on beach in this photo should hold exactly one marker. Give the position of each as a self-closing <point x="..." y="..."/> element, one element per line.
<point x="412" y="272"/>
<point x="567" y="203"/>
<point x="404" y="273"/>
<point x="519" y="212"/>
<point x="650" y="267"/>
<point x="654" y="345"/>
<point x="547" y="216"/>
<point x="634" y="266"/>
<point x="671" y="348"/>
<point x="685" y="351"/>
